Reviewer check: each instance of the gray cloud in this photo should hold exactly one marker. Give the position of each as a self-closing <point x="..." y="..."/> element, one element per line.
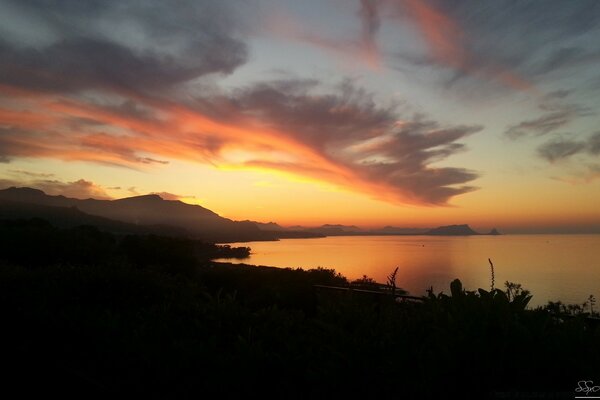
<point x="320" y="120"/>
<point x="410" y="151"/>
<point x="557" y="115"/>
<point x="563" y="58"/>
<point x="542" y="125"/>
<point x="369" y="16"/>
<point x="561" y="148"/>
<point x="127" y="45"/>
<point x="593" y="144"/>
<point x="557" y="94"/>
<point x="30" y="174"/>
<point x="530" y="40"/>
<point x="16" y="142"/>
<point x="148" y="160"/>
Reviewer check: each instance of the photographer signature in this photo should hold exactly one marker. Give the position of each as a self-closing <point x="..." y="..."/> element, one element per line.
<point x="587" y="387"/>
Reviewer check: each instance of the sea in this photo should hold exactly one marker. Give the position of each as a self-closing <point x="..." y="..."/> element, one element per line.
<point x="553" y="267"/>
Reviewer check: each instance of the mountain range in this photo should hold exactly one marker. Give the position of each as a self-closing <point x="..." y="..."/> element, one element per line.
<point x="352" y="230"/>
<point x="153" y="214"/>
<point x="149" y="213"/>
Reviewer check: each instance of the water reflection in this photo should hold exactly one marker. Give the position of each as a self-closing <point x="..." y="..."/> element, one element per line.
<point x="553" y="267"/>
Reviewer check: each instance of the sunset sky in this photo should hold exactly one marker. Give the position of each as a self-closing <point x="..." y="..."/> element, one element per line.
<point x="409" y="113"/>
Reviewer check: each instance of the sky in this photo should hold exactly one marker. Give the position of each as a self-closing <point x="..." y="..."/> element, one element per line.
<point x="410" y="113"/>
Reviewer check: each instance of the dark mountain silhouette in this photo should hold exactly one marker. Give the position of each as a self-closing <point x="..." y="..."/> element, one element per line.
<point x="332" y="230"/>
<point x="345" y="228"/>
<point x="284" y="233"/>
<point x="452" y="230"/>
<point x="268" y="226"/>
<point x="148" y="210"/>
<point x="69" y="217"/>
<point x="394" y="230"/>
<point x="494" y="232"/>
<point x="153" y="214"/>
<point x="352" y="230"/>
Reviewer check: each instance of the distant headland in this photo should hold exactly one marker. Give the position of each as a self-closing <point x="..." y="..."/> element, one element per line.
<point x="458" y="230"/>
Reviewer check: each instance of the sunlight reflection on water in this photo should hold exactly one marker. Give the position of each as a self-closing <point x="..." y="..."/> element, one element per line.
<point x="553" y="267"/>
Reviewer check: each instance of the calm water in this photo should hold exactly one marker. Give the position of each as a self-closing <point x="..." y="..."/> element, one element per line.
<point x="553" y="267"/>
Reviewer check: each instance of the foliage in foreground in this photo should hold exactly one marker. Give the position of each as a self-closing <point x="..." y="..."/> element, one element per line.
<point x="120" y="327"/>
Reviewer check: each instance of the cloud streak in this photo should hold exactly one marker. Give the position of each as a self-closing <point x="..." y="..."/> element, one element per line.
<point x="557" y="114"/>
<point x="371" y="22"/>
<point x="540" y="126"/>
<point x="450" y="44"/>
<point x="362" y="47"/>
<point x="560" y="148"/>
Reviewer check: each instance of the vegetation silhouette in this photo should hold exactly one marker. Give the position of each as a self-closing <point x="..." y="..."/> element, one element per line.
<point x="92" y="313"/>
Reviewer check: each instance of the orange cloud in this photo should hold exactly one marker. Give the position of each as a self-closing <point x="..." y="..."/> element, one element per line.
<point x="363" y="48"/>
<point x="281" y="126"/>
<point x="441" y="33"/>
<point x="446" y="42"/>
<point x="25" y="118"/>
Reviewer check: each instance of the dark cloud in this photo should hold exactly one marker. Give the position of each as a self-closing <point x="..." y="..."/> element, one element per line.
<point x="557" y="94"/>
<point x="563" y="58"/>
<point x="540" y="126"/>
<point x="319" y="120"/>
<point x="369" y="16"/>
<point x="131" y="109"/>
<point x="148" y="160"/>
<point x="502" y="41"/>
<point x="78" y="64"/>
<point x="30" y="174"/>
<point x="561" y="148"/>
<point x="413" y="146"/>
<point x="558" y="114"/>
<point x="127" y="45"/>
<point x="79" y="123"/>
<point x="15" y="142"/>
<point x="352" y="133"/>
<point x="594" y="144"/>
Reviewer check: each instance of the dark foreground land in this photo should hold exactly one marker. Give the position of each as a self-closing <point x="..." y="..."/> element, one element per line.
<point x="88" y="313"/>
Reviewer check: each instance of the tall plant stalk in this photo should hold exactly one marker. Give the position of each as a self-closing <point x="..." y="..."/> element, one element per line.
<point x="492" y="268"/>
